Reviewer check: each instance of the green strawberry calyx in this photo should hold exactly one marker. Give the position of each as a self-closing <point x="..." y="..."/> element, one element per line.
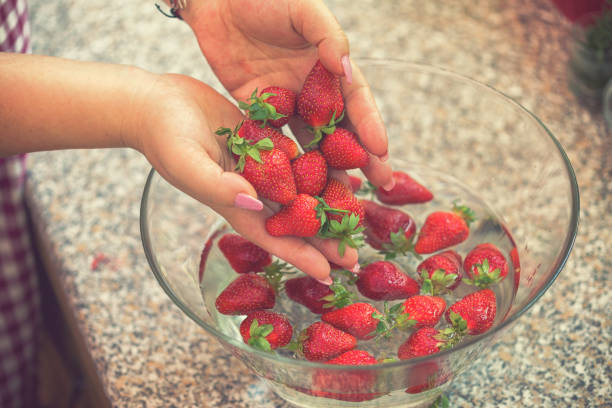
<point x="348" y="230"/>
<point x="399" y="245"/>
<point x="243" y="148"/>
<point x="257" y="108"/>
<point x="484" y="277"/>
<point x="458" y="326"/>
<point x="464" y="212"/>
<point x="367" y="189"/>
<point x="277" y="272"/>
<point x="258" y="335"/>
<point x="328" y="129"/>
<point x="438" y="283"/>
<point x="394" y="317"/>
<point x="340" y="298"/>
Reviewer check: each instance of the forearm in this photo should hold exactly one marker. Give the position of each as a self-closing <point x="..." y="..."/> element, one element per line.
<point x="49" y="103"/>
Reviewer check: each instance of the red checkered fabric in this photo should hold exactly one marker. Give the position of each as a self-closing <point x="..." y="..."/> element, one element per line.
<point x="19" y="296"/>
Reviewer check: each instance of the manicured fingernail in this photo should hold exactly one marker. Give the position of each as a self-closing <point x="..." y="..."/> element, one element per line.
<point x="384" y="157"/>
<point x="356" y="268"/>
<point x="346" y="67"/>
<point x="247" y="202"/>
<point x="389" y="186"/>
<point x="327" y="281"/>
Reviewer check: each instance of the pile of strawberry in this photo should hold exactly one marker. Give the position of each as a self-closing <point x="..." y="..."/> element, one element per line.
<point x="312" y="202"/>
<point x="382" y="300"/>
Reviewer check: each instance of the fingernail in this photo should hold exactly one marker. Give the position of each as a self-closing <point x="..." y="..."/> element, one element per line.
<point x="327" y="281"/>
<point x="247" y="202"/>
<point x="384" y="157"/>
<point x="356" y="268"/>
<point x="348" y="71"/>
<point x="389" y="186"/>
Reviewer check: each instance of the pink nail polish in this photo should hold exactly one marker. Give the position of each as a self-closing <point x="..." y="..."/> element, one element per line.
<point x="348" y="70"/>
<point x="356" y="268"/>
<point x="389" y="186"/>
<point x="327" y="281"/>
<point x="247" y="202"/>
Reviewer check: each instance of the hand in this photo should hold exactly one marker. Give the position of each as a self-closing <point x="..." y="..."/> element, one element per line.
<point x="175" y="125"/>
<point x="255" y="44"/>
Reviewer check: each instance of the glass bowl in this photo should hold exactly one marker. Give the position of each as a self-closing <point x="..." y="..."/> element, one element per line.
<point x="461" y="138"/>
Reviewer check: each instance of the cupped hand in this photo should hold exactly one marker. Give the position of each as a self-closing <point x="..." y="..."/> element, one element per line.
<point x="255" y="44"/>
<point x="176" y="132"/>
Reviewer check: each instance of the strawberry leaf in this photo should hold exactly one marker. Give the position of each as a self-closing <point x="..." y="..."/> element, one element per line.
<point x="465" y="212"/>
<point x="340" y="298"/>
<point x="260" y="343"/>
<point x="483" y="276"/>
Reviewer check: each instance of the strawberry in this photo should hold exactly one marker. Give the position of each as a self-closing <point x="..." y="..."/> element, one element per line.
<point x="273" y="106"/>
<point x="266" y="330"/>
<point x="303" y="217"/>
<point x="485" y="265"/>
<point x="426" y="376"/>
<point x="343" y="151"/>
<point x="243" y="255"/>
<point x="310" y="173"/>
<point x="268" y="169"/>
<point x="253" y="132"/>
<point x="346" y="385"/>
<point x="320" y="102"/>
<point x="406" y="191"/>
<point x="309" y="292"/>
<point x="388" y="229"/>
<point x="355" y="183"/>
<point x="355" y="319"/>
<point x="206" y="250"/>
<point x="383" y="280"/>
<point x="473" y="313"/>
<point x="442" y="271"/>
<point x="422" y="342"/>
<point x="417" y="311"/>
<point x="246" y="293"/>
<point x="339" y="196"/>
<point x="443" y="229"/>
<point x="321" y="341"/>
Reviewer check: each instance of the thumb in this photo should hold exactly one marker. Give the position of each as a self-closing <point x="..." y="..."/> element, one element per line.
<point x="316" y="23"/>
<point x="190" y="168"/>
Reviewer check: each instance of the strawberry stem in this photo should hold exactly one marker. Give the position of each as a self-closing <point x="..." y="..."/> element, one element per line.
<point x="243" y="148"/>
<point x="325" y="129"/>
<point x="464" y="212"/>
<point x="258" y="335"/>
<point x="340" y="298"/>
<point x="257" y="108"/>
<point x="484" y="277"/>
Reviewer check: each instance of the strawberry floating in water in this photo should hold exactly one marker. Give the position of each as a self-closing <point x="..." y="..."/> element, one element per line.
<point x="485" y="265"/>
<point x="388" y="229"/>
<point x="356" y="319"/>
<point x="266" y="330"/>
<point x="246" y="293"/>
<point x="442" y="271"/>
<point x="443" y="229"/>
<point x="273" y="106"/>
<point x="415" y="312"/>
<point x="321" y="341"/>
<point x="243" y="255"/>
<point x="383" y="280"/>
<point x="474" y="312"/>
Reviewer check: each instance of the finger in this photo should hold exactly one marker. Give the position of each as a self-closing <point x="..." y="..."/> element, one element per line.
<point x="329" y="248"/>
<point x="296" y="251"/>
<point x="365" y="119"/>
<point x="379" y="173"/>
<point x="316" y="23"/>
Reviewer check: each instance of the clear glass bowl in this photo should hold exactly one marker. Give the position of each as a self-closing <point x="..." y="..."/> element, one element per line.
<point x="436" y="120"/>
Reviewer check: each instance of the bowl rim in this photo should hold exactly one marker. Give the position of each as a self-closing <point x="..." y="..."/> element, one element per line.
<point x="557" y="266"/>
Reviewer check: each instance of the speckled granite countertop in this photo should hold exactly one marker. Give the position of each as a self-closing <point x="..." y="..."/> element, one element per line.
<point x="147" y="353"/>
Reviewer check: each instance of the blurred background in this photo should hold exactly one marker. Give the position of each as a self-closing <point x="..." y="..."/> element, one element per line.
<point x="112" y="336"/>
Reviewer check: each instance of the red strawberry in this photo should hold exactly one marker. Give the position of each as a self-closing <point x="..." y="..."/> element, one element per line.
<point x="253" y="132"/>
<point x="355" y="183"/>
<point x="322" y="341"/>
<point x="343" y="151"/>
<point x="388" y="229"/>
<point x="268" y="169"/>
<point x="424" y="310"/>
<point x="474" y="313"/>
<point x="309" y="292"/>
<point x="422" y="342"/>
<point x="355" y="319"/>
<point x="346" y="385"/>
<point x="273" y="106"/>
<point x="443" y="271"/>
<point x="320" y="102"/>
<point x="243" y="255"/>
<point x="426" y="376"/>
<point x="443" y="229"/>
<point x="406" y="191"/>
<point x="382" y="280"/>
<point x="301" y="218"/>
<point x="246" y="293"/>
<point x="310" y="173"/>
<point x="339" y="196"/>
<point x="485" y="265"/>
<point x="266" y="330"/>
